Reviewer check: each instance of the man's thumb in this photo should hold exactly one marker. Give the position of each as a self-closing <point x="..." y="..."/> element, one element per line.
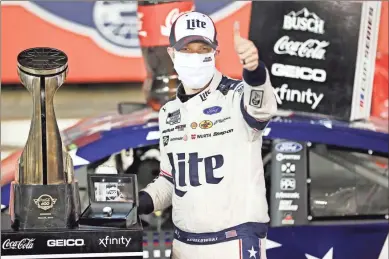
<point x="237" y="36"/>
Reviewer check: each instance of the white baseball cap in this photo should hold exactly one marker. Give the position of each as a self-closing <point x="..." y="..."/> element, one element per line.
<point x="193" y="26"/>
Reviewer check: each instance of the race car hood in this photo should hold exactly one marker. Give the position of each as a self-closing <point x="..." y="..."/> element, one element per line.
<point x="91" y="130"/>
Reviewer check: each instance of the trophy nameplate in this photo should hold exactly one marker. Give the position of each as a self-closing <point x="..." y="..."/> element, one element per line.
<point x="44" y="194"/>
<point x="113" y="200"/>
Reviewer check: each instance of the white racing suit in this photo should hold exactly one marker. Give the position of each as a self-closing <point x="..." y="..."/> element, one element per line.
<point x="211" y="168"/>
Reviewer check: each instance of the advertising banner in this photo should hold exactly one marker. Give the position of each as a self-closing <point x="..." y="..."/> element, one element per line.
<point x="85" y="242"/>
<point x="101" y="37"/>
<point x="320" y="54"/>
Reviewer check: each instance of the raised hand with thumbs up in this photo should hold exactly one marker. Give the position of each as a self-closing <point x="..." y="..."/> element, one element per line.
<point x="246" y="50"/>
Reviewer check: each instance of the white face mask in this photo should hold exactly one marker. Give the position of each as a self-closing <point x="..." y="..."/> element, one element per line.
<point x="194" y="70"/>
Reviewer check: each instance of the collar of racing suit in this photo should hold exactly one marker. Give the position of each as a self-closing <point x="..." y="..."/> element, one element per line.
<point x="194" y="98"/>
<point x="181" y="94"/>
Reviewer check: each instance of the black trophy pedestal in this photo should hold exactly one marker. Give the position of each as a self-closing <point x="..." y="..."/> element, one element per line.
<point x="45" y="206"/>
<point x="83" y="242"/>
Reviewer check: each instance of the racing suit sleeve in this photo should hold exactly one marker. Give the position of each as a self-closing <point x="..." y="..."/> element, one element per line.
<point x="158" y="194"/>
<point x="258" y="103"/>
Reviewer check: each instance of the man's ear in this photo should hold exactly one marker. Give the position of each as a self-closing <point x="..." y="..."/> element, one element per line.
<point x="217" y="52"/>
<point x="170" y="51"/>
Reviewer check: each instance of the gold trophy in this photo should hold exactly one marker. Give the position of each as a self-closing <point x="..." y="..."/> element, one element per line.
<point x="44" y="194"/>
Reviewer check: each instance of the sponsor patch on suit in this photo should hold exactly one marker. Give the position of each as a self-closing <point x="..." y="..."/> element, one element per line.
<point x="173" y="117"/>
<point x="256" y="97"/>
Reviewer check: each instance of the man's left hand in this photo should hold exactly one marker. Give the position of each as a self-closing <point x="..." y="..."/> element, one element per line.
<point x="246" y="50"/>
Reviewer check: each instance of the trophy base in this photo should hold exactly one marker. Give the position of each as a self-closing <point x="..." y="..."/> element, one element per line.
<point x="45" y="206"/>
<point x="88" y="242"/>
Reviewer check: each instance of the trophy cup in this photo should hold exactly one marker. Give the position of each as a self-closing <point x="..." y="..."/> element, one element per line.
<point x="44" y="194"/>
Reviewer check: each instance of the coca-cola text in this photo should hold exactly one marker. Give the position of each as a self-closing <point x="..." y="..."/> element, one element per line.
<point x="25" y="243"/>
<point x="311" y="48"/>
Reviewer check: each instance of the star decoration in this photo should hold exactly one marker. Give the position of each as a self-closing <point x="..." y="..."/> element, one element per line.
<point x="271" y="244"/>
<point x="328" y="255"/>
<point x="252" y="252"/>
<point x="77" y="160"/>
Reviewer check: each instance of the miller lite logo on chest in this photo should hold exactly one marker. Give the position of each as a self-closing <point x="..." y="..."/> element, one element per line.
<point x="195" y="23"/>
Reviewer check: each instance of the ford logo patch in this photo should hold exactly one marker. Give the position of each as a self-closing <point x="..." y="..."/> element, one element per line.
<point x="212" y="110"/>
<point x="289" y="147"/>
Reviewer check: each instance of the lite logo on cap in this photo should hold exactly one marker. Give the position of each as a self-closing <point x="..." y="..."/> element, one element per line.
<point x="193" y="26"/>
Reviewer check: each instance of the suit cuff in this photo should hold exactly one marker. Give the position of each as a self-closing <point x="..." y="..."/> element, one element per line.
<point x="146" y="204"/>
<point x="256" y="77"/>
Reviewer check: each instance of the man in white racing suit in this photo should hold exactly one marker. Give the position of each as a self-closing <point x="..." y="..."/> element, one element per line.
<point x="211" y="162"/>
